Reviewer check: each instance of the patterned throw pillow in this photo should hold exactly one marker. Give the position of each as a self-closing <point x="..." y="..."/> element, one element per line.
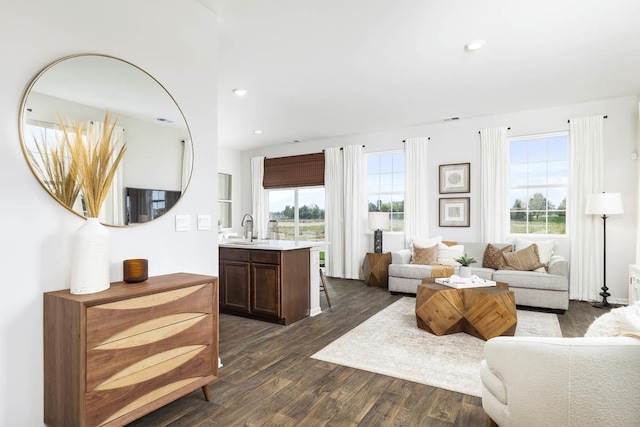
<point x="526" y="259"/>
<point x="425" y="256"/>
<point x="423" y="242"/>
<point x="493" y="257"/>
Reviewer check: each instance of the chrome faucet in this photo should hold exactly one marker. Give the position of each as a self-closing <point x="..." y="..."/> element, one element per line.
<point x="247" y="227"/>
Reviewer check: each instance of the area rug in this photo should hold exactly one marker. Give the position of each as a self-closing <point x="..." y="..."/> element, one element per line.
<point x="390" y="343"/>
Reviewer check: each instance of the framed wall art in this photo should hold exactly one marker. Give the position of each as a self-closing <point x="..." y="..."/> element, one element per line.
<point x="454" y="212"/>
<point x="455" y="178"/>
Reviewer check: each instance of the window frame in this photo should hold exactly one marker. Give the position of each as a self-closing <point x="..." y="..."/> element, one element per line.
<point x="391" y="193"/>
<point x="544" y="185"/>
<point x="296" y="208"/>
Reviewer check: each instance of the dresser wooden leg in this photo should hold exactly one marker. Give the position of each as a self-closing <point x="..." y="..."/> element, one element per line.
<point x="205" y="390"/>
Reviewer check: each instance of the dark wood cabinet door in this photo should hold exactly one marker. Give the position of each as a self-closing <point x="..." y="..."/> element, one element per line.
<point x="234" y="293"/>
<point x="265" y="289"/>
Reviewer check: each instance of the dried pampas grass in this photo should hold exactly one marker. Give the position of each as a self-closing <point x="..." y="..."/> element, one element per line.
<point x="97" y="160"/>
<point x="58" y="169"/>
<point x="82" y="162"/>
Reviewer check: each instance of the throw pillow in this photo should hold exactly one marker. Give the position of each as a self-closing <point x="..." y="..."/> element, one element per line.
<point x="423" y="242"/>
<point x="545" y="248"/>
<point x="447" y="255"/>
<point x="526" y="259"/>
<point x="425" y="256"/>
<point x="493" y="257"/>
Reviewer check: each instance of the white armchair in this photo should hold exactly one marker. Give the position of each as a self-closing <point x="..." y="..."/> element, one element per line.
<point x="586" y="381"/>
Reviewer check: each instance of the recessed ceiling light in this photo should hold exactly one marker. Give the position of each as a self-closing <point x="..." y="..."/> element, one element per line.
<point x="240" y="92"/>
<point x="474" y="45"/>
<point x="257" y="131"/>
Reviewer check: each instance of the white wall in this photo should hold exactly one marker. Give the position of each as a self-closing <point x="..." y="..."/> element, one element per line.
<point x="174" y="41"/>
<point x="459" y="142"/>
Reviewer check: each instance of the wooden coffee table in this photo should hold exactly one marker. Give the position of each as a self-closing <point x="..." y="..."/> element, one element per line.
<point x="483" y="312"/>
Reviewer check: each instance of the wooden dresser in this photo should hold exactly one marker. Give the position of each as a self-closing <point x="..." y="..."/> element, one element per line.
<point x="114" y="356"/>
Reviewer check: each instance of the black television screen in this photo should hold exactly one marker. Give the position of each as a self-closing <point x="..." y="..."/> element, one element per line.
<point x="144" y="204"/>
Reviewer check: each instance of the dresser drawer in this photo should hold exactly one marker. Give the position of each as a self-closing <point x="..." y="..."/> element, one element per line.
<point x="121" y="319"/>
<point x="118" y="361"/>
<point x="131" y="393"/>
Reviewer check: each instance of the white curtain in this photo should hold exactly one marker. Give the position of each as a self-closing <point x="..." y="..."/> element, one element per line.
<point x="638" y="193"/>
<point x="355" y="214"/>
<point x="585" y="177"/>
<point x="187" y="164"/>
<point x="416" y="202"/>
<point x="494" y="214"/>
<point x="260" y="205"/>
<point x="113" y="209"/>
<point x="334" y="211"/>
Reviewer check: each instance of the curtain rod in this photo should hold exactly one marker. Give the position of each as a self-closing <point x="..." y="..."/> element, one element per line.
<point x="428" y="138"/>
<point x="507" y="129"/>
<point x="343" y="147"/>
<point x="604" y="117"/>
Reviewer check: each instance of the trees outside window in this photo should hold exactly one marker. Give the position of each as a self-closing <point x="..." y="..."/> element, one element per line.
<point x="297" y="213"/>
<point x="538" y="176"/>
<point x="385" y="186"/>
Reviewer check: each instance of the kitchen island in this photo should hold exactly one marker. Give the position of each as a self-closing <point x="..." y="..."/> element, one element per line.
<point x="271" y="280"/>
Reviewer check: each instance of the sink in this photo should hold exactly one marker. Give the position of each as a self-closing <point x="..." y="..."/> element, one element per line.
<point x="245" y="242"/>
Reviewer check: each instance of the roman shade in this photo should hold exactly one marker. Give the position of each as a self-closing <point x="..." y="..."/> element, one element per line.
<point x="304" y="170"/>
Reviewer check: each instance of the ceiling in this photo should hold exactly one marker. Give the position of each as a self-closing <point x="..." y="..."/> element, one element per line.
<point x="317" y="69"/>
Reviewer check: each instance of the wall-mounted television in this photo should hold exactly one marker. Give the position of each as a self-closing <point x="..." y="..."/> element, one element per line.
<point x="145" y="204"/>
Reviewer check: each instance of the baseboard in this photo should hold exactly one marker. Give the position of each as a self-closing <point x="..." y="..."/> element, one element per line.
<point x="315" y="312"/>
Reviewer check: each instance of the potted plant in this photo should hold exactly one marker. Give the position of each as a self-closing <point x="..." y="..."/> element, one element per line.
<point x="465" y="265"/>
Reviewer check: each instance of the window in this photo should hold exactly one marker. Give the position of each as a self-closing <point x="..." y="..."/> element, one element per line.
<point x="224" y="200"/>
<point x="297" y="214"/>
<point x="385" y="186"/>
<point x="538" y="173"/>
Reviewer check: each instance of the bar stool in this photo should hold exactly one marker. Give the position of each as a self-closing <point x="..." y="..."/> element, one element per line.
<point x="323" y="283"/>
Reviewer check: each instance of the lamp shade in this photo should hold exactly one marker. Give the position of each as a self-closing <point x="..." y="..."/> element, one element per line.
<point x="378" y="220"/>
<point x="604" y="204"/>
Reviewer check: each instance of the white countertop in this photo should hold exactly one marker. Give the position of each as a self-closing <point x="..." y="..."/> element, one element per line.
<point x="274" y="245"/>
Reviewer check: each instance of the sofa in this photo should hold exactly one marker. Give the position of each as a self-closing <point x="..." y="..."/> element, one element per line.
<point x="545" y="288"/>
<point x="583" y="381"/>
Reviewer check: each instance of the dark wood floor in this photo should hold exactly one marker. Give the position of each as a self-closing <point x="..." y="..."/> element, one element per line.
<point x="268" y="378"/>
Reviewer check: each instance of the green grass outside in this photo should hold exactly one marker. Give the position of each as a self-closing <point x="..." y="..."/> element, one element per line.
<point x="557" y="225"/>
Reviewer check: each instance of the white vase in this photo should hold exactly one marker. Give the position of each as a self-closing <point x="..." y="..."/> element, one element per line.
<point x="90" y="258"/>
<point x="464" y="271"/>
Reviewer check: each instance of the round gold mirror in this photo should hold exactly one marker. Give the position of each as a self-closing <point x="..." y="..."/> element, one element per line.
<point x="156" y="168"/>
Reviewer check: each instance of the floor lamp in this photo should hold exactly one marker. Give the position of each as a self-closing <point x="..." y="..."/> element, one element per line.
<point x="604" y="204"/>
<point x="378" y="221"/>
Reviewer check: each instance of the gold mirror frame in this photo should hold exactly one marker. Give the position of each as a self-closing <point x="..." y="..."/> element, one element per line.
<point x="167" y="122"/>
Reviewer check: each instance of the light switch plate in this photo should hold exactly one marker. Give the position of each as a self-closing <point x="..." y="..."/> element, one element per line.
<point x="204" y="222"/>
<point x="183" y="223"/>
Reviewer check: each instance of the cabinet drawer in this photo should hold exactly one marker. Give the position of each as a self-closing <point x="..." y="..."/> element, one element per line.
<point x="234" y="254"/>
<point x="265" y="257"/>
